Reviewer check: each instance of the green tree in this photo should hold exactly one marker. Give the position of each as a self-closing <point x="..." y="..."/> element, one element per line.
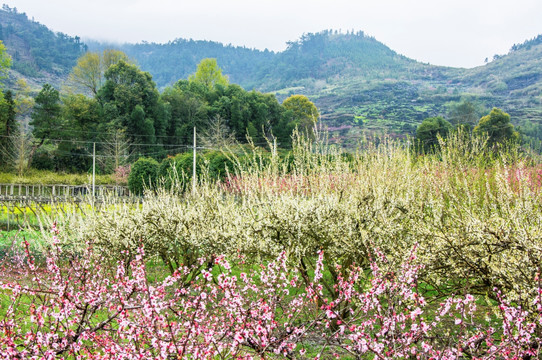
<point x="465" y="113"/>
<point x="304" y="112"/>
<point x="428" y="131"/>
<point x="8" y="114"/>
<point x="90" y="70"/>
<point x="142" y="126"/>
<point x="131" y="102"/>
<point x="46" y="119"/>
<point x="83" y="115"/>
<point x="496" y="125"/>
<point x="9" y="129"/>
<point x="209" y="74"/>
<point x="5" y="61"/>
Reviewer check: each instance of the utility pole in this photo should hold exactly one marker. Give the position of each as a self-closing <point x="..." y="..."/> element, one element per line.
<point x="93" y="171"/>
<point x="194" y="180"/>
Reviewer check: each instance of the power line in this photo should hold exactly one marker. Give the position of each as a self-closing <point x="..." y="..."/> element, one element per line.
<point x="97" y="142"/>
<point x="112" y="142"/>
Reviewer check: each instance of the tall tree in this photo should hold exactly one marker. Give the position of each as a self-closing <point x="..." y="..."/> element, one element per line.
<point x="304" y="112"/>
<point x="131" y="102"/>
<point x="429" y="130"/>
<point x="90" y="70"/>
<point x="209" y="74"/>
<point x="9" y="113"/>
<point x="496" y="125"/>
<point x="9" y="128"/>
<point x="186" y="110"/>
<point x="46" y="119"/>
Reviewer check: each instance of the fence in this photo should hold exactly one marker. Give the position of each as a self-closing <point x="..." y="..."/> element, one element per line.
<point x="59" y="191"/>
<point x="21" y="205"/>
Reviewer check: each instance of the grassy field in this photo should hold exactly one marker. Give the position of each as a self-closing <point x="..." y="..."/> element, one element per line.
<point x="33" y="176"/>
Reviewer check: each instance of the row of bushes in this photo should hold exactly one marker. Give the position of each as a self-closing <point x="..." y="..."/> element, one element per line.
<point x="147" y="173"/>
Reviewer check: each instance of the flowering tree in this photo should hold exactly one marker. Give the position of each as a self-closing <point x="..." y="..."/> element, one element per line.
<point x="78" y="307"/>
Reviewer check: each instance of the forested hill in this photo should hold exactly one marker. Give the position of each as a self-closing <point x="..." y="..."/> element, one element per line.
<point x="315" y="56"/>
<point x="38" y="52"/>
<point x="358" y="83"/>
<point x="330" y="54"/>
<point x="177" y="59"/>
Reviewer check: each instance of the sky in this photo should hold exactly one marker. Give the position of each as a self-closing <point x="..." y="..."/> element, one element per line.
<point x="459" y="33"/>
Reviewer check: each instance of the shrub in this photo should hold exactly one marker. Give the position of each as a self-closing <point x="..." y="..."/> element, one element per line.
<point x="143" y="175"/>
<point x="43" y="161"/>
<point x="176" y="172"/>
<point x="219" y="165"/>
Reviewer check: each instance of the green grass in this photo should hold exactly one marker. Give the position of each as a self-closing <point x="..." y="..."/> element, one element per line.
<point x="13" y="239"/>
<point x="33" y="176"/>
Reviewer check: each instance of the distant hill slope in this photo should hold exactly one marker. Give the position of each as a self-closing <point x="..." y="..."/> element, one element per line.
<point x="315" y="56"/>
<point x="330" y="54"/>
<point x="358" y="83"/>
<point x="514" y="78"/>
<point x="37" y="52"/>
<point x="177" y="59"/>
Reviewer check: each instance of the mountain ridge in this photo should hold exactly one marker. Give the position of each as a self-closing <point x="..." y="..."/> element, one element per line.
<point x="353" y="78"/>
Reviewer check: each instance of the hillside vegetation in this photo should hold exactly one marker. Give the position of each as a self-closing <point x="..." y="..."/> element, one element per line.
<point x="359" y="84"/>
<point x="38" y="52"/>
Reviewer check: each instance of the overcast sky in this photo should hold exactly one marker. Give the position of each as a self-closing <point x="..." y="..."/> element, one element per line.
<point x="454" y="33"/>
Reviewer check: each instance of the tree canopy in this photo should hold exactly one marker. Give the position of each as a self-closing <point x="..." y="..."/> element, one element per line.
<point x="91" y="67"/>
<point x="429" y="130"/>
<point x="46" y="119"/>
<point x="496" y="125"/>
<point x="209" y="74"/>
<point x="303" y="112"/>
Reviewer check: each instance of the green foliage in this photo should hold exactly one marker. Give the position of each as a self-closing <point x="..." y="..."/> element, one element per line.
<point x="187" y="109"/>
<point x="35" y="49"/>
<point x="43" y="160"/>
<point x="464" y="113"/>
<point x="46" y="119"/>
<point x="192" y="104"/>
<point x="428" y="132"/>
<point x="144" y="175"/>
<point x="497" y="127"/>
<point x="176" y="172"/>
<point x="131" y="102"/>
<point x="89" y="72"/>
<point x="209" y="74"/>
<point x="303" y="112"/>
<point x="220" y="165"/>
<point x="9" y="128"/>
<point x="5" y="61"/>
